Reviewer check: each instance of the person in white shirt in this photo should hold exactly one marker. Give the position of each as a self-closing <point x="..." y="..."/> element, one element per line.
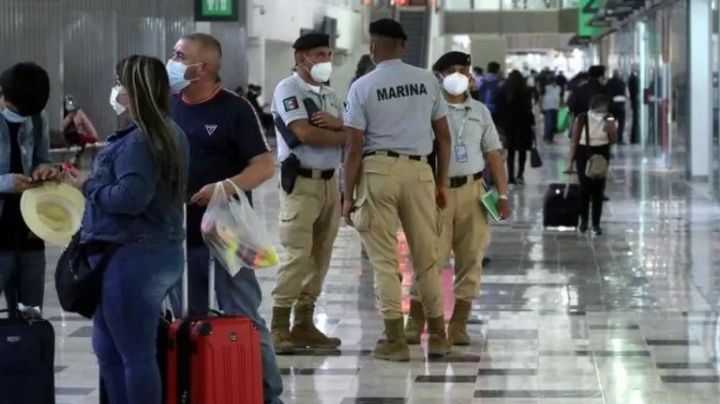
<point x="592" y="134"/>
<point x="550" y="106"/>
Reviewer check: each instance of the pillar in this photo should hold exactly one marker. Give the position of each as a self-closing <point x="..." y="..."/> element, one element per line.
<point x="701" y="101"/>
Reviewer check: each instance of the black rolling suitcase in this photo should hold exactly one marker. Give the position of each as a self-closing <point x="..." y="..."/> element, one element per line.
<point x="27" y="361"/>
<point x="562" y="205"/>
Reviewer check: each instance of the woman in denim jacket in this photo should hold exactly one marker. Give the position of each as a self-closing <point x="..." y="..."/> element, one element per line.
<point x="24" y="164"/>
<point x="135" y="197"/>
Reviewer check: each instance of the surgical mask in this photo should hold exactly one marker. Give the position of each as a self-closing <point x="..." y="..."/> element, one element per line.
<point x="321" y="72"/>
<point x="13" y="117"/>
<point x="456" y="83"/>
<point x="176" y="73"/>
<point x="114" y="103"/>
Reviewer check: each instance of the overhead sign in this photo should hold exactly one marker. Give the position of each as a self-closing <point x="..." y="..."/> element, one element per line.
<point x="587" y="9"/>
<point x="216" y="10"/>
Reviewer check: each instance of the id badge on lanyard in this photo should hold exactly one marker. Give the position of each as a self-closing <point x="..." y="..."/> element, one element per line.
<point x="461" y="155"/>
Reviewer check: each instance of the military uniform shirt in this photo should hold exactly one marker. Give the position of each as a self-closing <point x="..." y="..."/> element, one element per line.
<point x="479" y="136"/>
<point x="288" y="105"/>
<point x="394" y="105"/>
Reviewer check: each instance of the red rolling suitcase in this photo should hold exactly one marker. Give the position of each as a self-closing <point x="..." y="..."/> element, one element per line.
<point x="213" y="360"/>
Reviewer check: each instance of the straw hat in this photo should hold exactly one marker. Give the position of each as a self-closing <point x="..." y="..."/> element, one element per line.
<point x="53" y="212"/>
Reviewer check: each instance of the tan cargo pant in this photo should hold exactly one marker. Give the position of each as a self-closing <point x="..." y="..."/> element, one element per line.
<point x="390" y="189"/>
<point x="466" y="232"/>
<point x="309" y="223"/>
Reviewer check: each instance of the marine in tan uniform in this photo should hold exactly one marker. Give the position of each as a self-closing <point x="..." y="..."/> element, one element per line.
<point x="310" y="132"/>
<point x="392" y="115"/>
<point x="464" y="222"/>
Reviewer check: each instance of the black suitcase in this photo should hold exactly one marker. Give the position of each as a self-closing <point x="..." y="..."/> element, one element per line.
<point x="562" y="205"/>
<point x="27" y="361"/>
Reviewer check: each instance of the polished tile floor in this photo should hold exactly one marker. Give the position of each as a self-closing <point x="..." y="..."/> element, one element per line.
<point x="631" y="317"/>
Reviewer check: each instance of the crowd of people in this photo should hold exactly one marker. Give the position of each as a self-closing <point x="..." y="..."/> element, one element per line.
<point x="416" y="147"/>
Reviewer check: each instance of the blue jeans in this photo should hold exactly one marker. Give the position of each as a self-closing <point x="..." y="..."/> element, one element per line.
<point x="22" y="277"/>
<point x="551" y="117"/>
<point x="125" y="324"/>
<point x="239" y="295"/>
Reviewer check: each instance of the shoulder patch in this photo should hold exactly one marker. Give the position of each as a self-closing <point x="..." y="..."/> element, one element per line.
<point x="291" y="104"/>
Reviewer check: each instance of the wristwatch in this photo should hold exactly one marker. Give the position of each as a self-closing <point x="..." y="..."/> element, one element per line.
<point x="504" y="196"/>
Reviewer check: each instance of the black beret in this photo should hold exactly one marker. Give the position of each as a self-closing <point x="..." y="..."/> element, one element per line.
<point x="451" y="58"/>
<point x="312" y="40"/>
<point x="388" y="28"/>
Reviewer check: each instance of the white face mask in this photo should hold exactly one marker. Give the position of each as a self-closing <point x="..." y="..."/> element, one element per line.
<point x="114" y="103"/>
<point x="321" y="72"/>
<point x="13" y="117"/>
<point x="176" y="72"/>
<point x="456" y="83"/>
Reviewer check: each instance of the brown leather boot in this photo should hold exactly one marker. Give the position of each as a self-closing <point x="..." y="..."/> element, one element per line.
<point x="280" y="331"/>
<point x="415" y="323"/>
<point x="395" y="348"/>
<point x="304" y="334"/>
<point x="438" y="344"/>
<point x="457" y="330"/>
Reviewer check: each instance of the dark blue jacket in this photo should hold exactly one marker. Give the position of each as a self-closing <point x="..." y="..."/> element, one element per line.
<point x="127" y="201"/>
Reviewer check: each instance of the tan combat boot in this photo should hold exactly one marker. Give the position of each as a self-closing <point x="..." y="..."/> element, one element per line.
<point x="304" y="334"/>
<point x="438" y="344"/>
<point x="395" y="348"/>
<point x="415" y="323"/>
<point x="457" y="330"/>
<point x="280" y="330"/>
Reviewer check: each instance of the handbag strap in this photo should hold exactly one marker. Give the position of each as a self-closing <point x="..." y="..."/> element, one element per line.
<point x="586" y="120"/>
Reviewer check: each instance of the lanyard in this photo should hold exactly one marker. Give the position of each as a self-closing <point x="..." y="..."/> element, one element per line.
<point x="462" y="126"/>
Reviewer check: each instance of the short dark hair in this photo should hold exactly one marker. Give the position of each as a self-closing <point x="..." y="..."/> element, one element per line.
<point x="478" y="70"/>
<point x="596" y="71"/>
<point x="493" y="67"/>
<point x="27" y="87"/>
<point x="599" y="100"/>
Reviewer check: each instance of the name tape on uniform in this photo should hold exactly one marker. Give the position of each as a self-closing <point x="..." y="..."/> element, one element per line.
<point x="407" y="90"/>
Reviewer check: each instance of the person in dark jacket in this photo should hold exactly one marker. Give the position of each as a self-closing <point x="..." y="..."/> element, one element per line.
<point x="617" y="91"/>
<point x="517" y="121"/>
<point x="634" y="90"/>
<point x="579" y="100"/>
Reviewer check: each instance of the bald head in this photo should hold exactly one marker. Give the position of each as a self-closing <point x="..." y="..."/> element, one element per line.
<point x="202" y="53"/>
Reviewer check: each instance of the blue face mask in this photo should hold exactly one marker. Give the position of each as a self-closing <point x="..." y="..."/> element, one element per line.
<point x="13" y="117"/>
<point x="176" y="73"/>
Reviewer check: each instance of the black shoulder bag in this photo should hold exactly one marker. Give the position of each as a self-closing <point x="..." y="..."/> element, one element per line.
<point x="78" y="283"/>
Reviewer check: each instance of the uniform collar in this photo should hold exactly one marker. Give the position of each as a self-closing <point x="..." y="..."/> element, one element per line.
<point x="467" y="104"/>
<point x="307" y="86"/>
<point x="388" y="63"/>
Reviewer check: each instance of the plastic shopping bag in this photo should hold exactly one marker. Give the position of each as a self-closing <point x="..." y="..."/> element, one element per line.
<point x="563" y="121"/>
<point x="234" y="233"/>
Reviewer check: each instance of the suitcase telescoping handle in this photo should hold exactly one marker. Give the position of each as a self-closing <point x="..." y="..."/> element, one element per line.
<point x="185" y="285"/>
<point x="567" y="185"/>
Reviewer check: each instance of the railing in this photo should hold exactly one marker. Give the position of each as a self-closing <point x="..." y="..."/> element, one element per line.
<point x="508" y="5"/>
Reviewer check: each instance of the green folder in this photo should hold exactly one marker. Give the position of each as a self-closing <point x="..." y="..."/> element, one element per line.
<point x="490" y="201"/>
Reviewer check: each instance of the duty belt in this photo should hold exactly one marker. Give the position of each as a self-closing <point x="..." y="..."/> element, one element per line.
<point x="389" y="153"/>
<point x="316" y="174"/>
<point x="457" y="182"/>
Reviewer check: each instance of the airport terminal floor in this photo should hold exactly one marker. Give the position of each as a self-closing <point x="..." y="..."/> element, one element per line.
<point x="630" y="317"/>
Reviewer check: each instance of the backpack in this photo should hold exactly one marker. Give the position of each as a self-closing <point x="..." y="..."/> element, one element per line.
<point x="488" y="92"/>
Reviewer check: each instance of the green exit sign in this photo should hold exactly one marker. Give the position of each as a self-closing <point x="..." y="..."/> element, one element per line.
<point x="216" y="10"/>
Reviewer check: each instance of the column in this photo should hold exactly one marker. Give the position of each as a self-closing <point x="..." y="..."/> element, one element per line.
<point x="485" y="49"/>
<point x="699" y="42"/>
